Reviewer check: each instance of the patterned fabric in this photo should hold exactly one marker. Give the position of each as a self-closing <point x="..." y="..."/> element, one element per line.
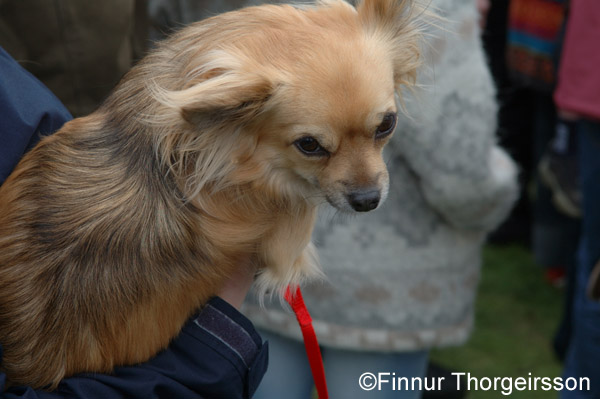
<point x="534" y="34"/>
<point x="404" y="277"/>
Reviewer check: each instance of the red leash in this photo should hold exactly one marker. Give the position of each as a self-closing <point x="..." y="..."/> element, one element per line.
<point x="310" y="340"/>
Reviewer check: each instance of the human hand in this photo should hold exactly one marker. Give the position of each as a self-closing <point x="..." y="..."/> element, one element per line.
<point x="236" y="288"/>
<point x="483" y="7"/>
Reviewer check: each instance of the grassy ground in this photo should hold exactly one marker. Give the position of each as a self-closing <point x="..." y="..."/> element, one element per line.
<point x="516" y="316"/>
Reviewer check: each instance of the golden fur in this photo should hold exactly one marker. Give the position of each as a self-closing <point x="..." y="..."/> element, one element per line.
<point x="116" y="228"/>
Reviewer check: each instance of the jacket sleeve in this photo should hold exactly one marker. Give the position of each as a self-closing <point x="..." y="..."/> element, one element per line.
<point x="218" y="354"/>
<point x="447" y="137"/>
<point x="27" y="111"/>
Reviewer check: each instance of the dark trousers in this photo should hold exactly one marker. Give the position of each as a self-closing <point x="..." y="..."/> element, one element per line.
<point x="583" y="355"/>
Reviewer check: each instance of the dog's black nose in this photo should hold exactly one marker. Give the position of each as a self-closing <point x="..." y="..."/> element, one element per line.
<point x="364" y="201"/>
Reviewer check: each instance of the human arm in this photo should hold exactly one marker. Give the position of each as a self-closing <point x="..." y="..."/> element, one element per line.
<point x="27" y="111"/>
<point x="448" y="138"/>
<point x="218" y="354"/>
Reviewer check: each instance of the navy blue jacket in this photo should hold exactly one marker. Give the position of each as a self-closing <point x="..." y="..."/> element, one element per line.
<point x="218" y="353"/>
<point x="27" y="110"/>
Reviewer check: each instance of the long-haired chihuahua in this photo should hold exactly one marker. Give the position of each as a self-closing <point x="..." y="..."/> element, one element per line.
<point x="215" y="149"/>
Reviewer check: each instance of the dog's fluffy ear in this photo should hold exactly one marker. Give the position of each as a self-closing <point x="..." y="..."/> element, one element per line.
<point x="223" y="89"/>
<point x="221" y="93"/>
<point x="399" y="23"/>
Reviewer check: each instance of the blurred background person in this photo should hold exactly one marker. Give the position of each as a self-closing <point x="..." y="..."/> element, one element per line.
<point x="404" y="282"/>
<point x="523" y="40"/>
<point x="403" y="279"/>
<point x="524" y="43"/>
<point x="577" y="96"/>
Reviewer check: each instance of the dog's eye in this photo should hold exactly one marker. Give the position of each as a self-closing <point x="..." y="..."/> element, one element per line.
<point x="387" y="126"/>
<point x="310" y="146"/>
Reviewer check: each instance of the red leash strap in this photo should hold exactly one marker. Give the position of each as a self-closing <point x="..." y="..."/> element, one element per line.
<point x="310" y="340"/>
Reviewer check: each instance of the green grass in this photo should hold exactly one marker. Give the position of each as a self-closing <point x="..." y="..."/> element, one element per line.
<point x="516" y="316"/>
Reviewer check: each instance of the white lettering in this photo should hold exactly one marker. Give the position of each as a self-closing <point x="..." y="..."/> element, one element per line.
<point x="381" y="380"/>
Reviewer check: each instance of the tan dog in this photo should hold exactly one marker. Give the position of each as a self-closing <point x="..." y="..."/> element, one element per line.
<point x="215" y="149"/>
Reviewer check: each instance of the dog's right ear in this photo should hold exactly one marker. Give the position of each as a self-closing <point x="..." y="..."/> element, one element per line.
<point x="400" y="23"/>
<point x="222" y="90"/>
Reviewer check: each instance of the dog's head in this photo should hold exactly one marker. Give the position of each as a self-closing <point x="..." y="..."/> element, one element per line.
<point x="301" y="98"/>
